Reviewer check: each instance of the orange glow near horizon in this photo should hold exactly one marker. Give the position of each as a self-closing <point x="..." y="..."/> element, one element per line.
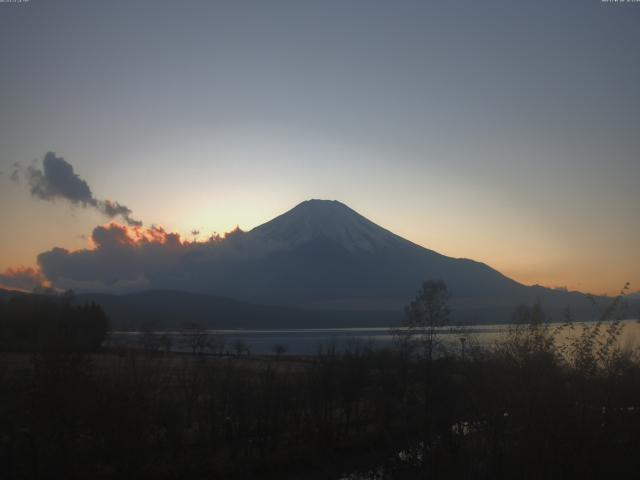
<point x="525" y="251"/>
<point x="136" y="236"/>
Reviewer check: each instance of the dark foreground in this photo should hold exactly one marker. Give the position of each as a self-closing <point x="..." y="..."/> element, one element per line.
<point x="499" y="414"/>
<point x="526" y="407"/>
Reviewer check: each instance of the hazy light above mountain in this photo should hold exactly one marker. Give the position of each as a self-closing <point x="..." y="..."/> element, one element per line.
<point x="501" y="131"/>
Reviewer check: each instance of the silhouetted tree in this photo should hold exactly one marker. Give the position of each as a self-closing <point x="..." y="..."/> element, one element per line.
<point x="37" y="322"/>
<point x="240" y="347"/>
<point x="427" y="313"/>
<point x="279" y="350"/>
<point x="196" y="337"/>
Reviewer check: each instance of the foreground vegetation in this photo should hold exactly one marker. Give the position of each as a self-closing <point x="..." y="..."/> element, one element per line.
<point x="525" y="408"/>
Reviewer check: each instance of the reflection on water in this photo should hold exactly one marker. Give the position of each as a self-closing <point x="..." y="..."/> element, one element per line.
<point x="308" y="341"/>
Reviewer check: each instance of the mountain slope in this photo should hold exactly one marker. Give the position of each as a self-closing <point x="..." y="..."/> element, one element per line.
<point x="322" y="254"/>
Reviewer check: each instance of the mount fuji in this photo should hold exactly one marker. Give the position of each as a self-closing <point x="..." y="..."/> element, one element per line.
<point x="323" y="255"/>
<point x="319" y="264"/>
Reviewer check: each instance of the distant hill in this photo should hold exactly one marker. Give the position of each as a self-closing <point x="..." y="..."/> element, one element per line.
<point x="4" y="293"/>
<point x="166" y="309"/>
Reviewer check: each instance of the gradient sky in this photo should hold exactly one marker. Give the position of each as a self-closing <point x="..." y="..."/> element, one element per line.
<point x="503" y="131"/>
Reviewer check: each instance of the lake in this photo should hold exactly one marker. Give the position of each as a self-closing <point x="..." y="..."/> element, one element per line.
<point x="308" y="341"/>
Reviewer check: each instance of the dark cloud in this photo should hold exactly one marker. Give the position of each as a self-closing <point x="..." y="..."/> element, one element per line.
<point x="57" y="180"/>
<point x="113" y="209"/>
<point x="120" y="253"/>
<point x="111" y="236"/>
<point x="126" y="255"/>
<point x="23" y="278"/>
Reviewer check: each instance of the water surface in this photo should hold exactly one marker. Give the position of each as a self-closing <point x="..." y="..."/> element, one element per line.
<point x="309" y="341"/>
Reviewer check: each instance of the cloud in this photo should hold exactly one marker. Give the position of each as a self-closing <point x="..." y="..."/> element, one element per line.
<point x="120" y="253"/>
<point x="123" y="255"/>
<point x="23" y="278"/>
<point x="112" y="209"/>
<point x="58" y="181"/>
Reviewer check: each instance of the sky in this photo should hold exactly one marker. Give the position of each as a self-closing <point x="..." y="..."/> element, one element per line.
<point x="502" y="131"/>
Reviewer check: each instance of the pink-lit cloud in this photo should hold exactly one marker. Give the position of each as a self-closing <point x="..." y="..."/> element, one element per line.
<point x="23" y="278"/>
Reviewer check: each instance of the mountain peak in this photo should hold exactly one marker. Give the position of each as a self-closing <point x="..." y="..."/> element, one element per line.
<point x="326" y="220"/>
<point x="320" y="201"/>
<point x="317" y="205"/>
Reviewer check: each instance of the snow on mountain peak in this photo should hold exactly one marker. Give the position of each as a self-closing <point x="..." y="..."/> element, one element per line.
<point x="326" y="219"/>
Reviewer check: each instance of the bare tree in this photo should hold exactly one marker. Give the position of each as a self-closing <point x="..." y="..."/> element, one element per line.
<point x="279" y="350"/>
<point x="426" y="315"/>
<point x="240" y="346"/>
<point x="216" y="343"/>
<point x="196" y="337"/>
